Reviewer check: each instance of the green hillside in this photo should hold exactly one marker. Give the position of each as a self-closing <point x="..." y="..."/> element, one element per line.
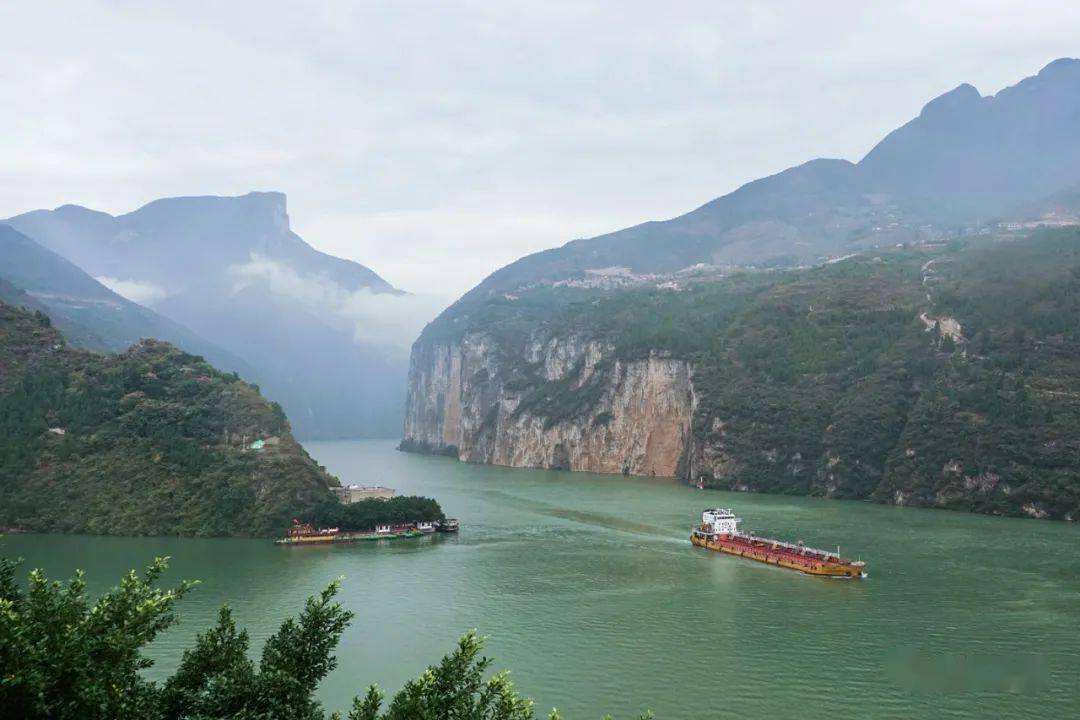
<point x="148" y="441"/>
<point x="945" y="376"/>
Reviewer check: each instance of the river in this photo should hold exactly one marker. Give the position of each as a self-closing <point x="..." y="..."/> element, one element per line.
<point x="590" y="591"/>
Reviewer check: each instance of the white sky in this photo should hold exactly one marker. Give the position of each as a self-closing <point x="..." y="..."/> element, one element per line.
<point x="436" y="142"/>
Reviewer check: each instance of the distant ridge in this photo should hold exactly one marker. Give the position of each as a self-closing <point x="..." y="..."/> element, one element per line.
<point x="89" y="314"/>
<point x="178" y="241"/>
<point x="232" y="270"/>
<point x="965" y="159"/>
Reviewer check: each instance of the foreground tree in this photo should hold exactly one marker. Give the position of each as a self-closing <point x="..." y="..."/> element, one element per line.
<point x="63" y="658"/>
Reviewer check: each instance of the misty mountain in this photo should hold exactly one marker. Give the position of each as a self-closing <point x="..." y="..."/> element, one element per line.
<point x="966" y="159"/>
<point x="971" y="157"/>
<point x="89" y="314"/>
<point x="231" y="269"/>
<point x="177" y="244"/>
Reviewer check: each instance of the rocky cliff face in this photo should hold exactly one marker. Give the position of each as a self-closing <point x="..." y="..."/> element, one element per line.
<point x="634" y="417"/>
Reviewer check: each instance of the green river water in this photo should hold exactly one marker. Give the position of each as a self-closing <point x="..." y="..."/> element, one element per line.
<point x="590" y="591"/>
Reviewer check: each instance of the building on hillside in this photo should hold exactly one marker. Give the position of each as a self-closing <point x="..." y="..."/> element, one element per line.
<point x="349" y="494"/>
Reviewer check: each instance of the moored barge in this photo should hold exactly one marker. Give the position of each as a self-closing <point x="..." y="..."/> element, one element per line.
<point x="719" y="531"/>
<point x="307" y="534"/>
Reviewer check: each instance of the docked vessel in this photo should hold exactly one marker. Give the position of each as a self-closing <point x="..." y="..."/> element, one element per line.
<point x="305" y="534"/>
<point x="719" y="531"/>
<point x="449" y="525"/>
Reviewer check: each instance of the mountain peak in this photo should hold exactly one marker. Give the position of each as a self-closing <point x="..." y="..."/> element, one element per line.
<point x="263" y="210"/>
<point x="960" y="98"/>
<point x="271" y="198"/>
<point x="78" y="211"/>
<point x="256" y="198"/>
<point x="273" y="202"/>
<point x="1061" y="65"/>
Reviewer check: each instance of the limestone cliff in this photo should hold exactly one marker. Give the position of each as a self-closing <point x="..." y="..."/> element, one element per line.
<point x="463" y="400"/>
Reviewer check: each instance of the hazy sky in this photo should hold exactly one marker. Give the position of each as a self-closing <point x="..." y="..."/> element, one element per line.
<point x="435" y="142"/>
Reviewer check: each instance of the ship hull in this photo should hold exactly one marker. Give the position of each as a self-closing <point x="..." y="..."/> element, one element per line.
<point x="763" y="554"/>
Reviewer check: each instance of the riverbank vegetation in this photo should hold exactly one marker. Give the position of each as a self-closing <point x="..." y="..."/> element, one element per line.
<point x="65" y="657"/>
<point x="366" y="514"/>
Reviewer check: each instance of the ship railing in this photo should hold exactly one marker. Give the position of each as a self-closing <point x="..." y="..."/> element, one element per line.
<point x="791" y="546"/>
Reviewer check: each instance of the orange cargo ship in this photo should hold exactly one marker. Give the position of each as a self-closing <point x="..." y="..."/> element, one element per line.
<point x="719" y="531"/>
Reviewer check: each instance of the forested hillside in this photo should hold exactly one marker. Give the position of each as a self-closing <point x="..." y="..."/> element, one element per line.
<point x="944" y="375"/>
<point x="148" y="441"/>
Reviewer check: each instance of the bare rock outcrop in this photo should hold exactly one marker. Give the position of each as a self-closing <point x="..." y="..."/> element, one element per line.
<point x="462" y="401"/>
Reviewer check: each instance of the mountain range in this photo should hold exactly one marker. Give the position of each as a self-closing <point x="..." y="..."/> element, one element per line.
<point x="227" y="278"/>
<point x="966" y="160"/>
